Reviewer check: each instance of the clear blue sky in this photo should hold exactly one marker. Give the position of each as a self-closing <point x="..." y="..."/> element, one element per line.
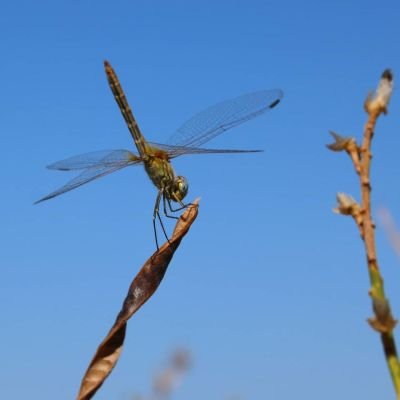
<point x="269" y="289"/>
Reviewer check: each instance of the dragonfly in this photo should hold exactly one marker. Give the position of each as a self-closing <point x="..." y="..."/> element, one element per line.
<point x="156" y="157"/>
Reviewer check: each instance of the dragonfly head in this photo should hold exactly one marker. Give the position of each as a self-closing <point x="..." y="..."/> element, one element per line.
<point x="180" y="188"/>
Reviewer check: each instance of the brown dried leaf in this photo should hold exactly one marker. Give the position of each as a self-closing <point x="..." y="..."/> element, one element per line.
<point x="142" y="288"/>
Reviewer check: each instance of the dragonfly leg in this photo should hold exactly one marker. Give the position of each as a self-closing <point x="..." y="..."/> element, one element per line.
<point x="156" y="213"/>
<point x="182" y="206"/>
<point x="165" y="202"/>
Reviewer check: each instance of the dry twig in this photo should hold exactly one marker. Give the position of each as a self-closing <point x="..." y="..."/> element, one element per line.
<point x="382" y="321"/>
<point x="170" y="377"/>
<point x="142" y="288"/>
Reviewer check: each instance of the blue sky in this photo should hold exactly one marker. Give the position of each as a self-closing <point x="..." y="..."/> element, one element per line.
<point x="269" y="289"/>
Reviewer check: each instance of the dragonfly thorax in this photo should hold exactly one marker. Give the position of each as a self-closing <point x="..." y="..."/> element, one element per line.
<point x="163" y="176"/>
<point x="179" y="189"/>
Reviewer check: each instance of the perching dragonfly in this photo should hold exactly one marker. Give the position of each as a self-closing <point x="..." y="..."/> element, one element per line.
<point x="156" y="157"/>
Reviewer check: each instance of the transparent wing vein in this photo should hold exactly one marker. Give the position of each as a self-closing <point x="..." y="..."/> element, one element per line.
<point x="216" y="119"/>
<point x="175" y="151"/>
<point x="88" y="175"/>
<point x="103" y="158"/>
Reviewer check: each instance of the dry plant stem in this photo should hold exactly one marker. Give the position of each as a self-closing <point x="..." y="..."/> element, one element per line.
<point x="383" y="321"/>
<point x="367" y="225"/>
<point x="141" y="289"/>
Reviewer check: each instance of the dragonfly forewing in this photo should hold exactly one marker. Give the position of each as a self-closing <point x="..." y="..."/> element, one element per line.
<point x="175" y="151"/>
<point x="216" y="119"/>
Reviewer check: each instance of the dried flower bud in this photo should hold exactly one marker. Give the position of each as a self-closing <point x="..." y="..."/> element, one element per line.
<point x="378" y="102"/>
<point x="383" y="321"/>
<point x="342" y="143"/>
<point x="346" y="205"/>
<point x="381" y="308"/>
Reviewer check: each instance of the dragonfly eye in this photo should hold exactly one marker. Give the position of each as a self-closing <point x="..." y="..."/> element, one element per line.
<point x="181" y="188"/>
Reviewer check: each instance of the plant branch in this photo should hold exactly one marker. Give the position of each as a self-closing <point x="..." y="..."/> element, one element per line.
<point x="142" y="288"/>
<point x="382" y="321"/>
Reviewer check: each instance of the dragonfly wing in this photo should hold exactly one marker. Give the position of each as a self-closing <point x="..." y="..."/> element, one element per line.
<point x="104" y="158"/>
<point x="216" y="119"/>
<point x="89" y="175"/>
<point x="175" y="151"/>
